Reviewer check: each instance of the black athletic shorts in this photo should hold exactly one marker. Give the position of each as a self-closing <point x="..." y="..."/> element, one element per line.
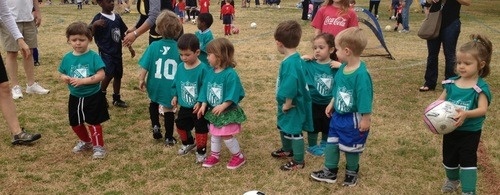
<point x="114" y="65"/>
<point x="460" y="148"/>
<point x="186" y="120"/>
<point x="320" y="120"/>
<point x="91" y="110"/>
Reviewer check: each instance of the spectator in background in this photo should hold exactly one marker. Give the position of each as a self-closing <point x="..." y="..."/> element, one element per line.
<point x="316" y="5"/>
<point x="374" y="4"/>
<point x="406" y="16"/>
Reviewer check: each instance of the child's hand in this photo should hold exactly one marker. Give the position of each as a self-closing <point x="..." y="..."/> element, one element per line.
<point x="174" y="102"/>
<point x="460" y="117"/>
<point x="307" y="57"/>
<point x="328" y="110"/>
<point x="142" y="85"/>
<point x="287" y="107"/>
<point x="365" y="123"/>
<point x="76" y="82"/>
<point x="218" y="110"/>
<point x="201" y="110"/>
<point x="65" y="78"/>
<point x="132" y="51"/>
<point x="99" y="23"/>
<point x="196" y="107"/>
<point x="335" y="64"/>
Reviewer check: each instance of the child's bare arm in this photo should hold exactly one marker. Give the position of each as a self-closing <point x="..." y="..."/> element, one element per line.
<point x="142" y="77"/>
<point x="365" y="123"/>
<point x="96" y="78"/>
<point x="65" y="78"/>
<point x="132" y="51"/>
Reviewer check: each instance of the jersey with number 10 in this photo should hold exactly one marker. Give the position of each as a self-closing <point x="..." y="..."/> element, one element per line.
<point x="160" y="60"/>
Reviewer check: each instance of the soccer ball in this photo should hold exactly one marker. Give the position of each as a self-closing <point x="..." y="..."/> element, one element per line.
<point x="388" y="28"/>
<point x="439" y="117"/>
<point x="253" y="25"/>
<point x="193" y="21"/>
<point x="235" y="30"/>
<point x="254" y="192"/>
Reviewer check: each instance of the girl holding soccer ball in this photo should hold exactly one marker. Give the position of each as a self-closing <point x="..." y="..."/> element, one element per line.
<point x="472" y="96"/>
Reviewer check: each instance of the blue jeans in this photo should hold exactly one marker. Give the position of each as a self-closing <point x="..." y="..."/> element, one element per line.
<point x="448" y="36"/>
<point x="316" y="6"/>
<point x="406" y="15"/>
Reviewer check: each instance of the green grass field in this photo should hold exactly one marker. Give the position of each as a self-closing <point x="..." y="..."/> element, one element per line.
<point x="402" y="156"/>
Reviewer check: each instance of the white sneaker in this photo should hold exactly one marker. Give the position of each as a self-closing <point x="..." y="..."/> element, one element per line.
<point x="36" y="89"/>
<point x="185" y="149"/>
<point x="200" y="158"/>
<point x="99" y="152"/>
<point x="17" y="92"/>
<point x="81" y="146"/>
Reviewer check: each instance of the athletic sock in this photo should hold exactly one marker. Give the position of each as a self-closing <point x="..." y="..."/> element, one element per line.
<point x="215" y="144"/>
<point x="96" y="135"/>
<point x="452" y="173"/>
<point x="468" y="179"/>
<point x="285" y="143"/>
<point x="352" y="160"/>
<point x="233" y="146"/>
<point x="201" y="142"/>
<point x="312" y="139"/>
<point x="298" y="150"/>
<point x="81" y="132"/>
<point x="332" y="156"/>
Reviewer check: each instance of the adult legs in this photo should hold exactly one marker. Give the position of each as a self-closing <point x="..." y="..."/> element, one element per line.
<point x="449" y="36"/>
<point x="431" y="71"/>
<point x="406" y="15"/>
<point x="8" y="109"/>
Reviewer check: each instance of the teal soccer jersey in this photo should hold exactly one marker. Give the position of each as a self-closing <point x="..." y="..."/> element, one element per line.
<point x="187" y="84"/>
<point x="319" y="78"/>
<point x="82" y="66"/>
<point x="467" y="99"/>
<point x="160" y="59"/>
<point x="204" y="37"/>
<point x="221" y="87"/>
<point x="291" y="84"/>
<point x="353" y="91"/>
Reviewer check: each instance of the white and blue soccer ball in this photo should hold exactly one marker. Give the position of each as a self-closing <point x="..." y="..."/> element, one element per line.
<point x="254" y="192"/>
<point x="439" y="117"/>
<point x="253" y="25"/>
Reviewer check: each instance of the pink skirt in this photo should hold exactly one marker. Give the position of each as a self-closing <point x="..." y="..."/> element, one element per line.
<point x="230" y="129"/>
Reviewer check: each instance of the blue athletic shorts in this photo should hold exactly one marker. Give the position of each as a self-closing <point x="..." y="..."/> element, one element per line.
<point x="344" y="130"/>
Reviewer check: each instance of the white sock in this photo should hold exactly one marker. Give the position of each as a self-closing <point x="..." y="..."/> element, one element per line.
<point x="215" y="145"/>
<point x="234" y="146"/>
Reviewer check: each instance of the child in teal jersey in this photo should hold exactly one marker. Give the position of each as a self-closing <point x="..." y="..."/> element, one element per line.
<point x="204" y="34"/>
<point x="186" y="89"/>
<point x="83" y="70"/>
<point x="221" y="93"/>
<point x="292" y="96"/>
<point x="319" y="77"/>
<point x="159" y="63"/>
<point x="472" y="96"/>
<point x="350" y="109"/>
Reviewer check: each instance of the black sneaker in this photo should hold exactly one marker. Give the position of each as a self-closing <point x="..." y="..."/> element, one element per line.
<point x="280" y="153"/>
<point x="292" y="165"/>
<point x="351" y="178"/>
<point x="157" y="132"/>
<point x="25" y="138"/>
<point x="170" y="141"/>
<point x="325" y="175"/>
<point x="120" y="103"/>
<point x="37" y="63"/>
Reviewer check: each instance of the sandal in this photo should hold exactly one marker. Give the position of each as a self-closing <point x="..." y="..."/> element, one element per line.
<point x="426" y="88"/>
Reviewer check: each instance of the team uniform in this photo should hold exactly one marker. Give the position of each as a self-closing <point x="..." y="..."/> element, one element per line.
<point x="319" y="78"/>
<point x="291" y="84"/>
<point x="205" y="37"/>
<point x="186" y="86"/>
<point x="460" y="146"/>
<point x="160" y="60"/>
<point x="329" y="21"/>
<point x="204" y="6"/>
<point x="227" y="13"/>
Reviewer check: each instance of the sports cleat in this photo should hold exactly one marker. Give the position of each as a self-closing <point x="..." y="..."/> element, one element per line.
<point x="17" y="92"/>
<point x="200" y="158"/>
<point x="280" y="153"/>
<point x="185" y="149"/>
<point x="235" y="162"/>
<point x="325" y="175"/>
<point x="157" y="132"/>
<point x="210" y="161"/>
<point x="450" y="186"/>
<point x="292" y="165"/>
<point x="81" y="146"/>
<point x="25" y="138"/>
<point x="99" y="152"/>
<point x="120" y="103"/>
<point x="351" y="178"/>
<point x="170" y="141"/>
<point x="36" y="89"/>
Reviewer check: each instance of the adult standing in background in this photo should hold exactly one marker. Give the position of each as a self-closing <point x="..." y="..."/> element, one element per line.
<point x="27" y="15"/>
<point x="448" y="37"/>
<point x="7" y="105"/>
<point x="316" y="5"/>
<point x="149" y="11"/>
<point x="406" y="16"/>
<point x="374" y="4"/>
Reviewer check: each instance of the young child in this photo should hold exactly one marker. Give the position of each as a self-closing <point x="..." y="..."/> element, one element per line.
<point x="351" y="106"/>
<point x="319" y="77"/>
<point x="108" y="30"/>
<point x="191" y="6"/>
<point x="186" y="88"/>
<point x="180" y="9"/>
<point x="291" y="87"/>
<point x="394" y="8"/>
<point x="227" y="13"/>
<point x="83" y="70"/>
<point x="334" y="17"/>
<point x="399" y="16"/>
<point x="204" y="34"/>
<point x="159" y="62"/>
<point x="470" y="92"/>
<point x="222" y="92"/>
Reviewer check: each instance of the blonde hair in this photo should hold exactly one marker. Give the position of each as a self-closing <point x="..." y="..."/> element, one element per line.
<point x="168" y="25"/>
<point x="353" y="38"/>
<point x="223" y="50"/>
<point x="481" y="48"/>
